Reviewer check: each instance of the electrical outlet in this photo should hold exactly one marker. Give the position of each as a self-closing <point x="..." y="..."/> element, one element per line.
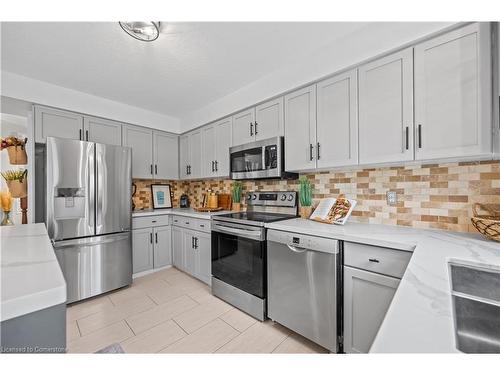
<point x="392" y="198"/>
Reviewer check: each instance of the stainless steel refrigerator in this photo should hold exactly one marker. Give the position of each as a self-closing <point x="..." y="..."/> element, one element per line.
<point x="88" y="214"/>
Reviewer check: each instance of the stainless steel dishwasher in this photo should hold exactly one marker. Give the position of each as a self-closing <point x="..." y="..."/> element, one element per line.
<point x="304" y="286"/>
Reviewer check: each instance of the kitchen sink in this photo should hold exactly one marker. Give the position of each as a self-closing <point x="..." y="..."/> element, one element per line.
<point x="475" y="290"/>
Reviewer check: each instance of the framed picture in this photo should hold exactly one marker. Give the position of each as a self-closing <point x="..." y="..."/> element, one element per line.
<point x="162" y="197"/>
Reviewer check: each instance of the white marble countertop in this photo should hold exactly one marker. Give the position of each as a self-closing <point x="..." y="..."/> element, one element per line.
<point x="191" y="212"/>
<point x="420" y="317"/>
<point x="31" y="277"/>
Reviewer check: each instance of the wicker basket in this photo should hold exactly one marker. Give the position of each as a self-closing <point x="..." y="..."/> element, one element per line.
<point x="489" y="224"/>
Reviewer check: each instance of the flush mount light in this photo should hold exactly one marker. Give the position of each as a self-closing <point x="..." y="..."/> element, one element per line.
<point x="147" y="31"/>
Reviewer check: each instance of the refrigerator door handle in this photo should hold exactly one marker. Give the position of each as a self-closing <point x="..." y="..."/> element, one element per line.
<point x="98" y="177"/>
<point x="91" y="191"/>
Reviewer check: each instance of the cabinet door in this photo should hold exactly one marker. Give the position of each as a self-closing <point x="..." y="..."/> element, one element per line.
<point x="243" y="127"/>
<point x="162" y="246"/>
<point x="184" y="157"/>
<point x="208" y="151"/>
<point x="55" y="123"/>
<point x="166" y="155"/>
<point x="203" y="259"/>
<point x="386" y="109"/>
<point x="269" y="119"/>
<point x="195" y="154"/>
<point x="367" y="297"/>
<point x="102" y="131"/>
<point x="223" y="136"/>
<point x="142" y="249"/>
<point x="453" y="94"/>
<point x="189" y="252"/>
<point x="178" y="247"/>
<point x="300" y="129"/>
<point x="337" y="127"/>
<point x="141" y="141"/>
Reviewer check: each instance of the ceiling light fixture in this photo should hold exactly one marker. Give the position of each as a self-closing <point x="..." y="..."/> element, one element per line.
<point x="147" y="31"/>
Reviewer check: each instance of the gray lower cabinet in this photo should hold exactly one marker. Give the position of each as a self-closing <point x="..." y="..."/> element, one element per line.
<point x="178" y="247"/>
<point x="142" y="249"/>
<point x="203" y="257"/>
<point x="162" y="254"/>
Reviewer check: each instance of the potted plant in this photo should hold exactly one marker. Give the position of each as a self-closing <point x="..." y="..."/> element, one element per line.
<point x="16" y="149"/>
<point x="305" y="197"/>
<point x="236" y="193"/>
<point x="16" y="182"/>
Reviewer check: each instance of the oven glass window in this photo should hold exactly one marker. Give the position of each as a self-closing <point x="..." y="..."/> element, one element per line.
<point x="239" y="262"/>
<point x="247" y="160"/>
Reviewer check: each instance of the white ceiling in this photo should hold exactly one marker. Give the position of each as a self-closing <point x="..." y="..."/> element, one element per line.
<point x="190" y="66"/>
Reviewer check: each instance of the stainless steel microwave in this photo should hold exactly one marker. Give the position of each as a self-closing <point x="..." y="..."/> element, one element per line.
<point x="259" y="160"/>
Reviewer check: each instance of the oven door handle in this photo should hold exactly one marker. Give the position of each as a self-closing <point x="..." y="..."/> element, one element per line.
<point x="246" y="233"/>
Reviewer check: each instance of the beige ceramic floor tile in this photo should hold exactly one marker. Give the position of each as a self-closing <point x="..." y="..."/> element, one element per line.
<point x="155" y="339"/>
<point x="120" y="297"/>
<point x="143" y="321"/>
<point x="72" y="331"/>
<point x="298" y="344"/>
<point x="98" y="340"/>
<point x="202" y="295"/>
<point x="86" y="308"/>
<point x="106" y="317"/>
<point x="165" y="294"/>
<point x="150" y="284"/>
<point x="205" y="340"/>
<point x="185" y="282"/>
<point x="195" y="318"/>
<point x="238" y="319"/>
<point x="259" y="338"/>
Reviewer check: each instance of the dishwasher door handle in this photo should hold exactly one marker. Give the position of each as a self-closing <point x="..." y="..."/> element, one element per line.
<point x="297" y="249"/>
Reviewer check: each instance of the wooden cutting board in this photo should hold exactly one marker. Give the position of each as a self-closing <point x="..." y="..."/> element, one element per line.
<point x="225" y="201"/>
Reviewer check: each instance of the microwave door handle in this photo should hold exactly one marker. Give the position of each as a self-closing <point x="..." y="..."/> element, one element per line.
<point x="265" y="158"/>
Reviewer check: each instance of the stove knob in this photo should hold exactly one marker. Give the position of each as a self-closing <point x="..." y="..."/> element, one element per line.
<point x="283" y="197"/>
<point x="290" y="197"/>
<point x="254" y="196"/>
<point x="249" y="197"/>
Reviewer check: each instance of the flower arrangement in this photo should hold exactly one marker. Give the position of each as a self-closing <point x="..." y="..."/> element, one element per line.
<point x="16" y="181"/>
<point x="16" y="149"/>
<point x="236" y="193"/>
<point x="305" y="197"/>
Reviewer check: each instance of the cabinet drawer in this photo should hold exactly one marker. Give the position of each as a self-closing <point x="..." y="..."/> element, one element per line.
<point x="202" y="225"/>
<point x="150" y="221"/>
<point x="184" y="222"/>
<point x="376" y="259"/>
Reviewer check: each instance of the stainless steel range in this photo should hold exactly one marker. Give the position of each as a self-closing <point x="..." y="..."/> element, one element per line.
<point x="239" y="250"/>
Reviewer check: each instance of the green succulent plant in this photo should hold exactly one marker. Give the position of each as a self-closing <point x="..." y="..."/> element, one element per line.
<point x="236" y="191"/>
<point x="14" y="175"/>
<point x="305" y="192"/>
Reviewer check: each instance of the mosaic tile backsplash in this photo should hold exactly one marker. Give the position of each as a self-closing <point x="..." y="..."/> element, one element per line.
<point x="429" y="195"/>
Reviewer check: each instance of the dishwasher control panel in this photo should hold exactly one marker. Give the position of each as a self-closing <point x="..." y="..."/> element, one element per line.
<point x="304" y="241"/>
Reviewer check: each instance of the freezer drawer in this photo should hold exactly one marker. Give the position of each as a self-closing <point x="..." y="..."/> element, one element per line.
<point x="95" y="265"/>
<point x="302" y="295"/>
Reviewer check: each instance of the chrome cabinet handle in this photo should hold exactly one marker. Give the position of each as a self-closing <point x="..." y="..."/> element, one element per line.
<point x="216" y="165"/>
<point x="151" y="168"/>
<point x="151" y="237"/>
<point x="192" y="242"/>
<point x="256" y="132"/>
<point x="311" y="148"/>
<point x="80" y="134"/>
<point x="317" y="151"/>
<point x="419" y="135"/>
<point x="213" y="166"/>
<point x="296" y="249"/>
<point x="373" y="260"/>
<point x="156" y="169"/>
<point x="251" y="129"/>
<point x="87" y="135"/>
<point x="196" y="242"/>
<point x="156" y="237"/>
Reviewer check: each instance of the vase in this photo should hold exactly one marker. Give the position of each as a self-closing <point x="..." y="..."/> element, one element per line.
<point x="236" y="206"/>
<point x="17" y="188"/>
<point x="6" y="219"/>
<point x="17" y="155"/>
<point x="305" y="212"/>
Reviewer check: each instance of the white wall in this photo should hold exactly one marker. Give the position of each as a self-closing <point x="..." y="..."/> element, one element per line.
<point x="370" y="41"/>
<point x="35" y="91"/>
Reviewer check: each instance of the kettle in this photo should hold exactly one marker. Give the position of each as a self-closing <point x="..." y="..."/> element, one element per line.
<point x="184" y="201"/>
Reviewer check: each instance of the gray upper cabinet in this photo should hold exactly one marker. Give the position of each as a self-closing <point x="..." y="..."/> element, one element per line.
<point x="223" y="136"/>
<point x="269" y="119"/>
<point x="195" y="147"/>
<point x="386" y="109"/>
<point x="165" y="155"/>
<point x="56" y="123"/>
<point x="367" y="296"/>
<point x="140" y="140"/>
<point x="243" y="127"/>
<point x="102" y="131"/>
<point x="453" y="94"/>
<point x="184" y="156"/>
<point x="208" y="151"/>
<point x="337" y="121"/>
<point x="300" y="129"/>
